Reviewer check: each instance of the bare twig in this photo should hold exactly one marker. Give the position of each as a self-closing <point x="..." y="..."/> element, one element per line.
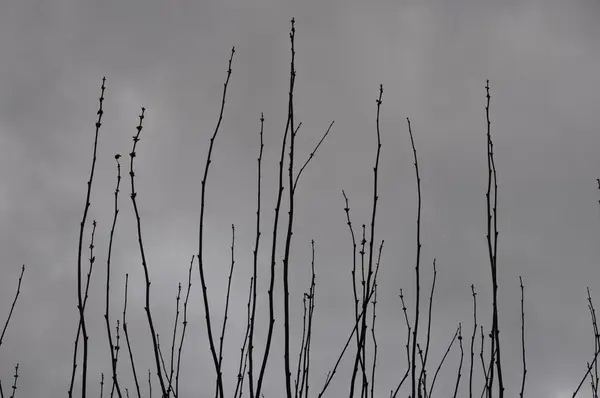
<point x="523" y="337"/>
<point x="424" y="367"/>
<point x="126" y="332"/>
<point x="14" y="386"/>
<point x="12" y="307"/>
<point x="243" y="351"/>
<point x="108" y="263"/>
<point x="183" y="329"/>
<point x="213" y="350"/>
<point x="133" y="195"/>
<point x="332" y="373"/>
<point x="437" y="371"/>
<point x="417" y="264"/>
<point x="288" y="240"/>
<point x="80" y="292"/>
<point x="408" y="336"/>
<point x="473" y="341"/>
<point x="172" y="361"/>
<point x="222" y="338"/>
<point x="461" y="360"/>
<point x="255" y="263"/>
<point x="312" y="154"/>
<point x="493" y="250"/>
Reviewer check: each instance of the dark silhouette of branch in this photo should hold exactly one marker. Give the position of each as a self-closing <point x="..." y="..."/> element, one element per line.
<point x="117" y="348"/>
<point x="255" y="263"/>
<point x="133" y="195"/>
<point x="368" y="284"/>
<point x="408" y="336"/>
<point x="437" y="371"/>
<point x="184" y="327"/>
<point x="523" y="336"/>
<point x="12" y="307"/>
<point x="473" y="341"/>
<point x="332" y="373"/>
<point x="492" y="251"/>
<point x="222" y="338"/>
<point x="172" y="361"/>
<point x="244" y="353"/>
<point x="108" y="263"/>
<point x="288" y="240"/>
<point x="14" y="386"/>
<point x="80" y="293"/>
<point x="424" y="366"/>
<point x="91" y="260"/>
<point x="102" y="385"/>
<point x="211" y="341"/>
<point x="375" y="347"/>
<point x="126" y="332"/>
<point x="461" y="360"/>
<point x="312" y="154"/>
<point x="414" y="386"/>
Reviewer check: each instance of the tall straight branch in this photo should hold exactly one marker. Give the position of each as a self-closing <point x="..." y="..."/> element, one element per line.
<point x="133" y="195"/>
<point x="80" y="299"/>
<point x="108" y="263"/>
<point x="288" y="240"/>
<point x="492" y="249"/>
<point x="273" y="261"/>
<point x="213" y="350"/>
<point x="255" y="264"/>
<point x="414" y="387"/>
<point x="367" y="285"/>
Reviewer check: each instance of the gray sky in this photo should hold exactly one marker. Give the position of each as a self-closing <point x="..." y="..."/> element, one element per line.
<point x="432" y="57"/>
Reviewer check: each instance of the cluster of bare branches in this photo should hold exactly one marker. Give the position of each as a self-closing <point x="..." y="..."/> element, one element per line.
<point x="361" y="345"/>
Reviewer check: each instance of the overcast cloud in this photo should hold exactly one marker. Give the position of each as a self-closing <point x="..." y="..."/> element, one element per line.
<point x="432" y="57"/>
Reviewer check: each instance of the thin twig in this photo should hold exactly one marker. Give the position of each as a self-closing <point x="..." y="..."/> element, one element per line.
<point x="12" y="307"/>
<point x="473" y="341"/>
<point x="461" y="360"/>
<point x="255" y="263"/>
<point x="80" y="293"/>
<point x="126" y="332"/>
<point x="443" y="359"/>
<point x="108" y="263"/>
<point x="133" y="195"/>
<point x="222" y="338"/>
<point x="523" y="336"/>
<point x="185" y="322"/>
<point x="211" y="341"/>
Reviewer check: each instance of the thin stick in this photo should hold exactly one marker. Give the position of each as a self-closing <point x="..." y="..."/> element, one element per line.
<point x="12" y="307"/>
<point x="185" y="322"/>
<point x="108" y="263"/>
<point x="423" y="368"/>
<point x="213" y="350"/>
<point x="80" y="299"/>
<point x="523" y="336"/>
<point x="442" y="361"/>
<point x="473" y="341"/>
<point x="288" y="240"/>
<point x="461" y="360"/>
<point x="222" y="338"/>
<point x="133" y="195"/>
<point x="493" y="249"/>
<point x="126" y="332"/>
<point x="255" y="263"/>
<point x="243" y="352"/>
<point x="417" y="262"/>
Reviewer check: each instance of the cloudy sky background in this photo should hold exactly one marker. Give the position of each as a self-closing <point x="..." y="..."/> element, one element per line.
<point x="433" y="57"/>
